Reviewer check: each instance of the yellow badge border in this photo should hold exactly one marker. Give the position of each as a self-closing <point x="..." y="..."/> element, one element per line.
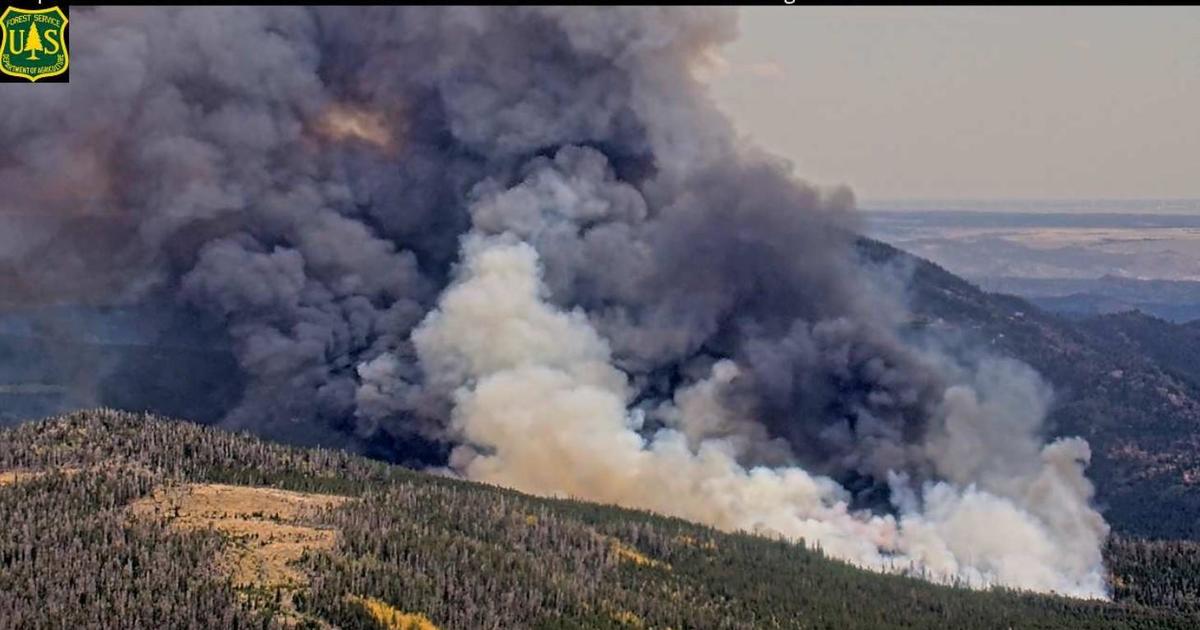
<point x="4" y="41"/>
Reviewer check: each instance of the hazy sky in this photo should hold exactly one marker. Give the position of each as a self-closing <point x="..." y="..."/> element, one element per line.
<point x="973" y="102"/>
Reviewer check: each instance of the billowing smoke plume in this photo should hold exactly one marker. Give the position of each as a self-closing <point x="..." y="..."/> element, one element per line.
<point x="539" y="406"/>
<point x="521" y="242"/>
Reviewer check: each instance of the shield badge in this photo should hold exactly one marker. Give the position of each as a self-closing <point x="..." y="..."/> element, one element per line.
<point x="32" y="43"/>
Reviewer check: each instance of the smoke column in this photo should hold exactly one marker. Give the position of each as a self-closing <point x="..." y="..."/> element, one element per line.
<point x="539" y="406"/>
<point x="523" y="243"/>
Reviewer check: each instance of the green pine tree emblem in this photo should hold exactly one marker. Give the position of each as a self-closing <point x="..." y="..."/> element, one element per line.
<point x="33" y="45"/>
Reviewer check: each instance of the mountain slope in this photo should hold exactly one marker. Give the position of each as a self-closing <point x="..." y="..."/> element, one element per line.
<point x="1175" y="347"/>
<point x="1141" y="417"/>
<point x="409" y="549"/>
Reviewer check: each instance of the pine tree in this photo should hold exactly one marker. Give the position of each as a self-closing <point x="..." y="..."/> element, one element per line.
<point x="33" y="43"/>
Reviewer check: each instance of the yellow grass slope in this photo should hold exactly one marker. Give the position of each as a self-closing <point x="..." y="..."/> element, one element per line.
<point x="391" y="618"/>
<point x="265" y="524"/>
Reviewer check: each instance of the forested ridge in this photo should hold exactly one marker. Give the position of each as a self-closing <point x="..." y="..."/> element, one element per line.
<point x="454" y="554"/>
<point x="1131" y="388"/>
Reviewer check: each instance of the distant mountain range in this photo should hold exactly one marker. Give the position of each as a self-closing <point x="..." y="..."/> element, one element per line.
<point x="1173" y="300"/>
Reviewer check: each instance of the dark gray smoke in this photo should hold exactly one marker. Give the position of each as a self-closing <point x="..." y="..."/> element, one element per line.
<point x="288" y="190"/>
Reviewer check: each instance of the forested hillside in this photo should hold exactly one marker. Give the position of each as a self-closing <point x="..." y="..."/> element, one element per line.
<point x="1133" y="396"/>
<point x="100" y="528"/>
<point x="1175" y="347"/>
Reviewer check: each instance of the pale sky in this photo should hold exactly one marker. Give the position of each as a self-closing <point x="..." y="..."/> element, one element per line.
<point x="973" y="102"/>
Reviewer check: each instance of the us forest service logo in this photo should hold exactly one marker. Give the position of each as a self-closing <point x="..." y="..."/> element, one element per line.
<point x="33" y="44"/>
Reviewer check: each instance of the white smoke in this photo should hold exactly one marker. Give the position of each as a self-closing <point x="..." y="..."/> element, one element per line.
<point x="540" y="407"/>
